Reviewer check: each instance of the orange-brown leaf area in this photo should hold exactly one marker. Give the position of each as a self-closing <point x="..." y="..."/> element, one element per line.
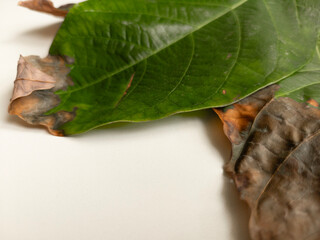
<point x="33" y="94"/>
<point x="276" y="164"/>
<point x="46" y="6"/>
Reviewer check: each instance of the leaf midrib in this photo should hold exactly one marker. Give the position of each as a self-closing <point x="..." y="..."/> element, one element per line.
<point x="229" y="9"/>
<point x="304" y="72"/>
<point x="282" y="164"/>
<point x="297" y="89"/>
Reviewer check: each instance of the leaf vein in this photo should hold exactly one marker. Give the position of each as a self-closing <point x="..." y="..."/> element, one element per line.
<point x="184" y="74"/>
<point x="102" y="78"/>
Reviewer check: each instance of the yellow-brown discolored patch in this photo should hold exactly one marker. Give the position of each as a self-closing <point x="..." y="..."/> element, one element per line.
<point x="313" y="102"/>
<point x="237" y="119"/>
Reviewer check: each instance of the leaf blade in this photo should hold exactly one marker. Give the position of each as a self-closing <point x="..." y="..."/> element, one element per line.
<point x="238" y="50"/>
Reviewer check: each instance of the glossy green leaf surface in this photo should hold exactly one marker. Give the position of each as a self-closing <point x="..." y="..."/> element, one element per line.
<point x="147" y="59"/>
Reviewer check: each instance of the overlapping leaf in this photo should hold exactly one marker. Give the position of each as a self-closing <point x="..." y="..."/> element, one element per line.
<point x="46" y="6"/>
<point x="275" y="137"/>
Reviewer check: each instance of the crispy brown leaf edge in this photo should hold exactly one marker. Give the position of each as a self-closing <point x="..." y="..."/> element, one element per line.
<point x="33" y="94"/>
<point x="46" y="6"/>
<point x="275" y="164"/>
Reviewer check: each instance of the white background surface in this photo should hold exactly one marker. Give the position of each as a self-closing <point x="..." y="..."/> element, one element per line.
<point x="161" y="180"/>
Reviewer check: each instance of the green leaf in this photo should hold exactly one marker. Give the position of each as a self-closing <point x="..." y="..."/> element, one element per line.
<point x="147" y="59"/>
<point x="303" y="86"/>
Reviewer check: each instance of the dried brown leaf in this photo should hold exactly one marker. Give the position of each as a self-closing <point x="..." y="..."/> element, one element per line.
<point x="33" y="94"/>
<point x="30" y="78"/>
<point x="46" y="6"/>
<point x="276" y="164"/>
